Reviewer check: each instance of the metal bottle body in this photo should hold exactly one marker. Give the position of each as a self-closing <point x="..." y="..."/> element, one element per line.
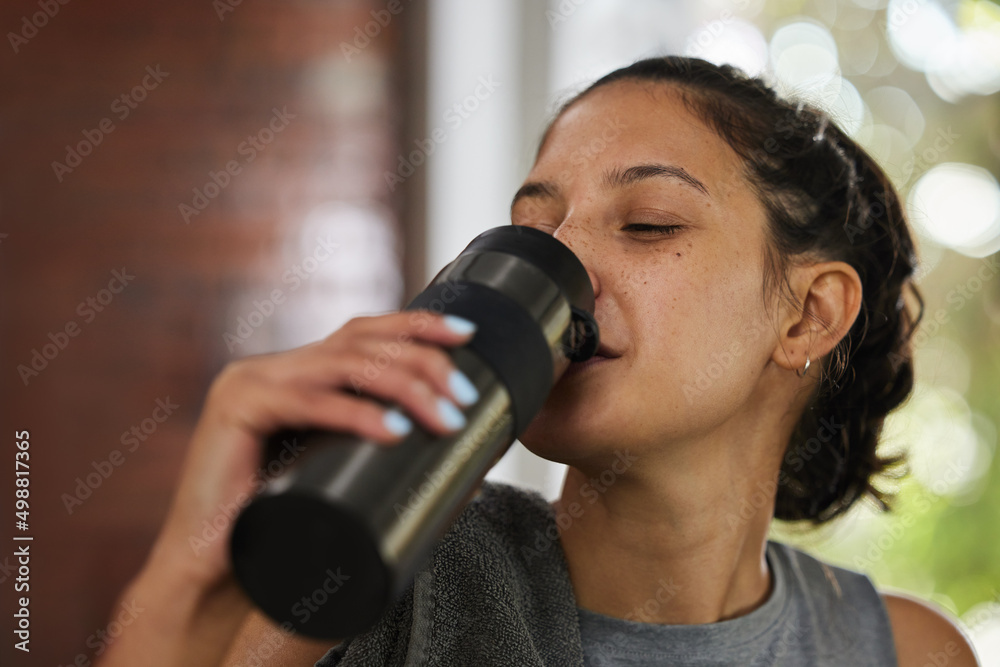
<point x="333" y="541"/>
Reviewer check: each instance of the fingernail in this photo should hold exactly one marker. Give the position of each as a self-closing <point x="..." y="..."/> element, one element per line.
<point x="459" y="325"/>
<point x="462" y="388"/>
<point x="450" y="415"/>
<point x="396" y="422"/>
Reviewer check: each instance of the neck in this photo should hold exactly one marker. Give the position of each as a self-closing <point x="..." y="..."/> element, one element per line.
<point x="677" y="540"/>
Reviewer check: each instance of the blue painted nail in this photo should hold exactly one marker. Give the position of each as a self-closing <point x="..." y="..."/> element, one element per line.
<point x="396" y="422"/>
<point x="450" y="415"/>
<point x="462" y="388"/>
<point x="459" y="325"/>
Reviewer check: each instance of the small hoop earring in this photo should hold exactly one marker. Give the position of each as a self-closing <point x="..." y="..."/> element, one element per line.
<point x="804" y="369"/>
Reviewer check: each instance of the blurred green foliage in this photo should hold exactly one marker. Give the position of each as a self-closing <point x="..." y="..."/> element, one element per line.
<point x="946" y="546"/>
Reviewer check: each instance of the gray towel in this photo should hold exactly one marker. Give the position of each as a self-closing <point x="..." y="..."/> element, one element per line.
<point x="496" y="592"/>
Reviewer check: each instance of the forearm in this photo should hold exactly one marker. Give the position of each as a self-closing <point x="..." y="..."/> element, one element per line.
<point x="180" y="619"/>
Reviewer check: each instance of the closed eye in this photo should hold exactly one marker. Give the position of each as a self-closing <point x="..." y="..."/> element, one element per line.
<point x="646" y="229"/>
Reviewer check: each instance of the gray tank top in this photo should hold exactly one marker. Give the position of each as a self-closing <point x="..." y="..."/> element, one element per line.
<point x="816" y="614"/>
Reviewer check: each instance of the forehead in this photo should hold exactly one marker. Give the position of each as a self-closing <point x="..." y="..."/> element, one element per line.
<point x="633" y="122"/>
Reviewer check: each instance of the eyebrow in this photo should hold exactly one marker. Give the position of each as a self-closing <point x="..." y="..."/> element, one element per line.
<point x="618" y="178"/>
<point x="615" y="178"/>
<point x="540" y="189"/>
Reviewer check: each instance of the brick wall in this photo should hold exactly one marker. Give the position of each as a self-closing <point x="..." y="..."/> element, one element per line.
<point x="206" y="86"/>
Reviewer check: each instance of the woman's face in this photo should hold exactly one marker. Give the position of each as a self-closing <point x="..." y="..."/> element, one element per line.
<point x="656" y="206"/>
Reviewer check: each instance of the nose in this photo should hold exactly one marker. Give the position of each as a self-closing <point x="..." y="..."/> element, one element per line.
<point x="582" y="243"/>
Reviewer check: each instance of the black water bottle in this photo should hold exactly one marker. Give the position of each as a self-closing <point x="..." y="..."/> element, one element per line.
<point x="334" y="540"/>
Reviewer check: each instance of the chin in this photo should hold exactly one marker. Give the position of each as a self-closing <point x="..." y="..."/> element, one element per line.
<point x="567" y="433"/>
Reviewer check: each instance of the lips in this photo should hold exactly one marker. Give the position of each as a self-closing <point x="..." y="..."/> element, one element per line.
<point x="604" y="354"/>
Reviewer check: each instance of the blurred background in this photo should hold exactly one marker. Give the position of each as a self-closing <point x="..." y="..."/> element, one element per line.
<point x="185" y="184"/>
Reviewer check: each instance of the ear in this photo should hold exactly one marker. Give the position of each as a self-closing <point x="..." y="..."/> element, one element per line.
<point x="830" y="298"/>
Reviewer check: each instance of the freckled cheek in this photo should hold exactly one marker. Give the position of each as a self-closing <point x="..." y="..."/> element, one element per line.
<point x="689" y="320"/>
<point x="668" y="322"/>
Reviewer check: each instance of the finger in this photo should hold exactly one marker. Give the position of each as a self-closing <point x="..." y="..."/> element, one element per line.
<point x="331" y="410"/>
<point x="265" y="404"/>
<point x="362" y="361"/>
<point x="432" y="402"/>
<point x="398" y="385"/>
<point x="369" y="361"/>
<point x="404" y="326"/>
<point x="246" y="389"/>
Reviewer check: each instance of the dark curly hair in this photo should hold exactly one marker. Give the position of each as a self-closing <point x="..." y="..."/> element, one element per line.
<point x="826" y="199"/>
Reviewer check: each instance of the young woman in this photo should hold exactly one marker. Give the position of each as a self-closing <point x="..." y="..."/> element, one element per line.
<point x="752" y="268"/>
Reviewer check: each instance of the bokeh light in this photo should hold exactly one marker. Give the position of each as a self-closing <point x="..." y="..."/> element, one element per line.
<point x="804" y="62"/>
<point x="959" y="54"/>
<point x="894" y="106"/>
<point x="919" y="32"/>
<point x="944" y="452"/>
<point x="733" y="42"/>
<point x="891" y="148"/>
<point x="847" y="109"/>
<point x="859" y="51"/>
<point x="958" y="206"/>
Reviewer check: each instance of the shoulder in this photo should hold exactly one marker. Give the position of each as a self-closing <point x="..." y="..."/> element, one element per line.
<point x="923" y="634"/>
<point x="840" y="614"/>
<point x="820" y="580"/>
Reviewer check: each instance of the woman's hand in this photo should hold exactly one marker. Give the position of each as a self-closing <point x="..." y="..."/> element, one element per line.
<point x="194" y="605"/>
